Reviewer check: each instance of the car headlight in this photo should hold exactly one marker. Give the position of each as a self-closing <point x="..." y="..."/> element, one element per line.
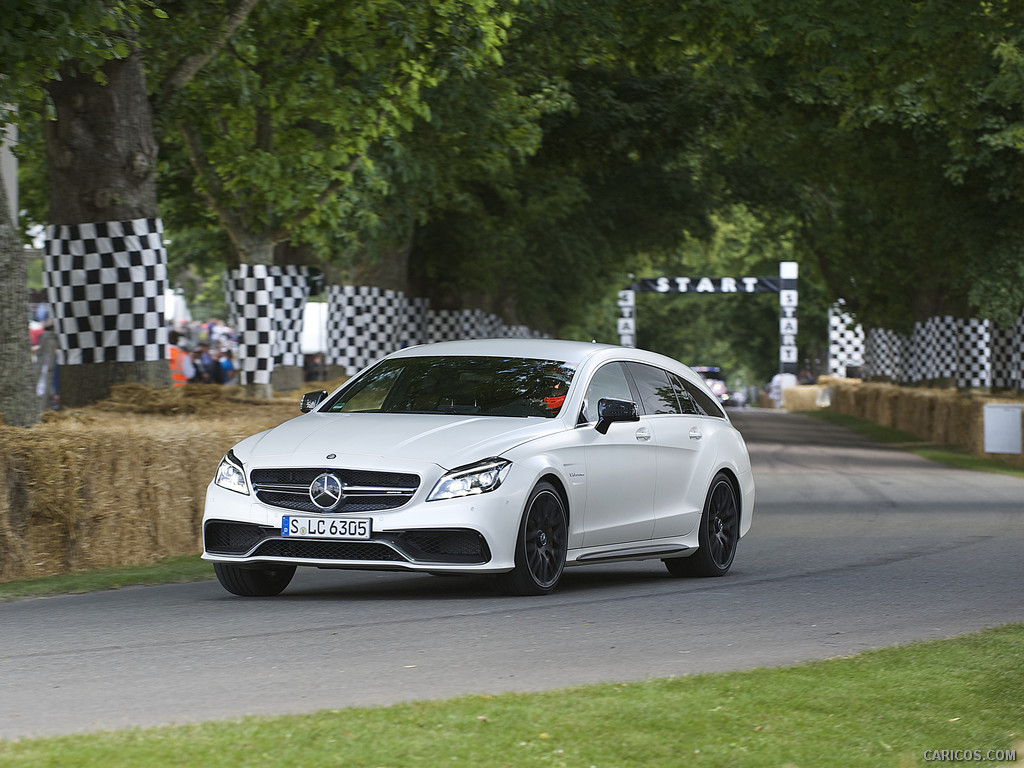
<point x="471" y="480"/>
<point x="230" y="475"/>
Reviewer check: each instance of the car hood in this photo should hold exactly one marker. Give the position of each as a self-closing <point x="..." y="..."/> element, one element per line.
<point x="366" y="438"/>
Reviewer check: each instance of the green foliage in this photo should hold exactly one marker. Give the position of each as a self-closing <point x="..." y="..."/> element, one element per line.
<point x="537" y="152"/>
<point x="43" y="40"/>
<point x="739" y="333"/>
<point x="281" y="127"/>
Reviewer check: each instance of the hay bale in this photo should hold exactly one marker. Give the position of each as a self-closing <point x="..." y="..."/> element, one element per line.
<point x="119" y="483"/>
<point x="803" y="397"/>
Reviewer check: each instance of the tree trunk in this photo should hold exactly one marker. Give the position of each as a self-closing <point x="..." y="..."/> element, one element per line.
<point x="101" y="152"/>
<point x="18" y="404"/>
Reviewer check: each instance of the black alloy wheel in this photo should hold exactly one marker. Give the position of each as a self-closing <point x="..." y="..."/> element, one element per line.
<point x="718" y="536"/>
<point x="541" y="547"/>
<point x="254" y="582"/>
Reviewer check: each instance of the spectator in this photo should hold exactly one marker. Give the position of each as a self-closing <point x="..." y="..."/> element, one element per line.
<point x="228" y="364"/>
<point x="182" y="369"/>
<point x="207" y="370"/>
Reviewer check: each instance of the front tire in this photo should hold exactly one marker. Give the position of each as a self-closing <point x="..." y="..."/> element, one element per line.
<point x="718" y="536"/>
<point x="254" y="582"/>
<point x="541" y="546"/>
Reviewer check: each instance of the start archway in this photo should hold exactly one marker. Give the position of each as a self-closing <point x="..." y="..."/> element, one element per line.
<point x="785" y="284"/>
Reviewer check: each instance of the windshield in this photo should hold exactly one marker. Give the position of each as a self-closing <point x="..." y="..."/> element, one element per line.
<point x="487" y="386"/>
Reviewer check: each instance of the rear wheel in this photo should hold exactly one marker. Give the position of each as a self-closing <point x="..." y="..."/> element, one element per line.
<point x="254" y="582"/>
<point x="541" y="546"/>
<point x="718" y="536"/>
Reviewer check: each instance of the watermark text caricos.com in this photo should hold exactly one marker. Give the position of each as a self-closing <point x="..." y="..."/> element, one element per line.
<point x="971" y="755"/>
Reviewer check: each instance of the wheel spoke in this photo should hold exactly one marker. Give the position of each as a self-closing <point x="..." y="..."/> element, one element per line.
<point x="722" y="523"/>
<point x="545" y="539"/>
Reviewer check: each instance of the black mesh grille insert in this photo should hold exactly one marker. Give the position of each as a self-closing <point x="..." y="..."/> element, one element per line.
<point x="352" y="504"/>
<point x="292" y="476"/>
<point x="233" y="538"/>
<point x="442" y="546"/>
<point x="328" y="550"/>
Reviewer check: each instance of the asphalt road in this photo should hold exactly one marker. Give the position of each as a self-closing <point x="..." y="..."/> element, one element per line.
<point x="854" y="546"/>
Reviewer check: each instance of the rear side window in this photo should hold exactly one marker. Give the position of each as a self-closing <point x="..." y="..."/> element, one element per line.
<point x="657" y="394"/>
<point x="686" y="402"/>
<point x="706" y="402"/>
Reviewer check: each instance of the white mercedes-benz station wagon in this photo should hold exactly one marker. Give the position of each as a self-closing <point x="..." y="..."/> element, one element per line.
<point x="509" y="457"/>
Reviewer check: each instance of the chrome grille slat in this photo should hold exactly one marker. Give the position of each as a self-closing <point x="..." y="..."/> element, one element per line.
<point x="365" y="490"/>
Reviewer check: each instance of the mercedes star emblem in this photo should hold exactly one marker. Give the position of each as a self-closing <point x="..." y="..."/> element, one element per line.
<point x="326" y="491"/>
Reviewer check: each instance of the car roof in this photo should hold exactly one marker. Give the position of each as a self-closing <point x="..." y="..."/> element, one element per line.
<point x="573" y="353"/>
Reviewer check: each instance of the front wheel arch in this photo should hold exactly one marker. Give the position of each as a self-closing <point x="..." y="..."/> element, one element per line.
<point x="542" y="543"/>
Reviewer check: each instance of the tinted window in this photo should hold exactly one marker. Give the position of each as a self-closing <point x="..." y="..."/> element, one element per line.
<point x="686" y="402"/>
<point x="656" y="392"/>
<point x="489" y="386"/>
<point x="707" y="403"/>
<point x="609" y="381"/>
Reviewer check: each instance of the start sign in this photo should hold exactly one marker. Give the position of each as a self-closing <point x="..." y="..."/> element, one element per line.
<point x="785" y="285"/>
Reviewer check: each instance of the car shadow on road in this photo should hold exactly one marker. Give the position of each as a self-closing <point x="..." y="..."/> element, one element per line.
<point x="395" y="587"/>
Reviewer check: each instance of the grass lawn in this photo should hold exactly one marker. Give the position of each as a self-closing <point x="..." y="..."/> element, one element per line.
<point x="890" y="707"/>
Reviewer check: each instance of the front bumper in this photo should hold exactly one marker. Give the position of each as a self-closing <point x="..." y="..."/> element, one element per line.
<point x="474" y="534"/>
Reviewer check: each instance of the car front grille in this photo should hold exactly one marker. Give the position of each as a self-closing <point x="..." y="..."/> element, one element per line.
<point x="364" y="490"/>
<point x="441" y="546"/>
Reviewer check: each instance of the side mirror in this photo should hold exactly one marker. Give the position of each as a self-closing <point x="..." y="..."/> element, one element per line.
<point x="311" y="400"/>
<point x="610" y="411"/>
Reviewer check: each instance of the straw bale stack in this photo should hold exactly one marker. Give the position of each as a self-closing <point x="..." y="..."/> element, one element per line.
<point x="939" y="416"/>
<point x="800" y="398"/>
<point x="119" y="483"/>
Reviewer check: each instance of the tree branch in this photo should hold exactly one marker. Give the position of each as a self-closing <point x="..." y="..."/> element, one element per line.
<point x="212" y="188"/>
<point x="189" y="65"/>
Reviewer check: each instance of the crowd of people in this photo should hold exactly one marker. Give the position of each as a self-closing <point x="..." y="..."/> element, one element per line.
<point x="202" y="353"/>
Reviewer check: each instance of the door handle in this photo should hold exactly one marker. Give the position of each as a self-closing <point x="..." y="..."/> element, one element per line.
<point x="643" y="434"/>
<point x="695" y="434"/>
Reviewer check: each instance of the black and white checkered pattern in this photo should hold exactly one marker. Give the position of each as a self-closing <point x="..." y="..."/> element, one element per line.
<point x="970" y="352"/>
<point x="1008" y="356"/>
<point x="105" y="283"/>
<point x="250" y="296"/>
<point x="364" y="323"/>
<point x="883" y="354"/>
<point x="291" y="290"/>
<point x="845" y="341"/>
<point x="974" y="366"/>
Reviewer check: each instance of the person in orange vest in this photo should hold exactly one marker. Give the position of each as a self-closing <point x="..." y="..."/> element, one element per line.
<point x="182" y="368"/>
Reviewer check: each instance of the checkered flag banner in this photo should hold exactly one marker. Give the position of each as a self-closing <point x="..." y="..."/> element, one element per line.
<point x="365" y="323"/>
<point x="845" y="340"/>
<point x="250" y="294"/>
<point x="291" y="290"/>
<point x="105" y="283"/>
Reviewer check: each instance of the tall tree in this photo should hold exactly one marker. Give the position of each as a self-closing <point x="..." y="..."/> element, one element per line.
<point x="18" y="404"/>
<point x="37" y="39"/>
<point x="278" y="127"/>
<point x="106" y="265"/>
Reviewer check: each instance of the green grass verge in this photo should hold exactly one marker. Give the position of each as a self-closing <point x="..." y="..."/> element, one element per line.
<point x="943" y="454"/>
<point x="174" y="570"/>
<point x="876" y="709"/>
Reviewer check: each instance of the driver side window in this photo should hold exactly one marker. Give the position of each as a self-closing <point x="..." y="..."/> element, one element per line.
<point x="609" y="381"/>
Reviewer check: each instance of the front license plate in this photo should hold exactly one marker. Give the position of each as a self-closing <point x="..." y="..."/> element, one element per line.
<point x="326" y="527"/>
